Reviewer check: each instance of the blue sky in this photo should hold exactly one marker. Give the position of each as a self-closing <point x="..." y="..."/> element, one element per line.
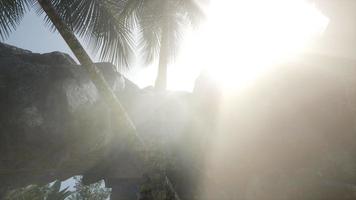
<point x="34" y="35"/>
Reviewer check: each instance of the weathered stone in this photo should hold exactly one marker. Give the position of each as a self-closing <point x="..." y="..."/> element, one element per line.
<point x="53" y="122"/>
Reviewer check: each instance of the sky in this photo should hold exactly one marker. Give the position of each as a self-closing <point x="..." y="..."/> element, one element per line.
<point x="32" y="34"/>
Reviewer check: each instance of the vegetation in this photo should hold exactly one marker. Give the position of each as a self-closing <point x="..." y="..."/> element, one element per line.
<point x="35" y="192"/>
<point x="156" y="185"/>
<point x="101" y="23"/>
<point x="161" y="24"/>
<point x="95" y="191"/>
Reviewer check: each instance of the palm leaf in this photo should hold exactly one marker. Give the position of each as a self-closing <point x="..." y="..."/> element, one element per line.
<point x="150" y="29"/>
<point x="193" y="10"/>
<point x="105" y="25"/>
<point x="172" y="16"/>
<point x="11" y="13"/>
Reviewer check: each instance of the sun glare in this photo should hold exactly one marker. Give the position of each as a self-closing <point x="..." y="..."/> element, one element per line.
<point x="241" y="38"/>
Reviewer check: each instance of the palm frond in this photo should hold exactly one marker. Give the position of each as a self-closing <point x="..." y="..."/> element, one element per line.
<point x="105" y="26"/>
<point x="11" y="13"/>
<point x="152" y="17"/>
<point x="172" y="16"/>
<point x="193" y="10"/>
<point x="149" y="28"/>
<point x="175" y="31"/>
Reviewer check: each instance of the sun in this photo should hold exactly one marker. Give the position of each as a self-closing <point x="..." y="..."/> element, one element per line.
<point x="242" y="38"/>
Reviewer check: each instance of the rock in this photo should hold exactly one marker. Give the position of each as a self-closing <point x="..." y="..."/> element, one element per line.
<point x="55" y="125"/>
<point x="8" y="50"/>
<point x="53" y="122"/>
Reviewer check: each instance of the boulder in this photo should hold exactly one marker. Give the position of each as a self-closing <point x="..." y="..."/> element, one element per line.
<point x="55" y="125"/>
<point x="53" y="122"/>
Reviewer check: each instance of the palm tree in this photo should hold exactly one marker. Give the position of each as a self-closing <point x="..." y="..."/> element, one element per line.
<point x="104" y="25"/>
<point x="161" y="25"/>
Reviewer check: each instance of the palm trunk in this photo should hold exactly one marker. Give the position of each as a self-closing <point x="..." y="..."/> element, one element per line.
<point x="161" y="80"/>
<point x="98" y="79"/>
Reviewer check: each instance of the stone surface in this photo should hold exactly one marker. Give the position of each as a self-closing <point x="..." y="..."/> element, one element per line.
<point x="53" y="122"/>
<point x="55" y="125"/>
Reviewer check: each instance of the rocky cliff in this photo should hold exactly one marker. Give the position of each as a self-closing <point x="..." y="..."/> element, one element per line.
<point x="53" y="122"/>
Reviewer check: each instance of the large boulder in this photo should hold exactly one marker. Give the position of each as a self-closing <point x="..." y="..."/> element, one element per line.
<point x="53" y="122"/>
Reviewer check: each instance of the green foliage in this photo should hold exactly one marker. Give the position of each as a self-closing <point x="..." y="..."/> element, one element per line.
<point x="35" y="192"/>
<point x="103" y="24"/>
<point x="168" y="17"/>
<point x="11" y="13"/>
<point x="53" y="191"/>
<point x="96" y="191"/>
<point x="31" y="192"/>
<point x="156" y="185"/>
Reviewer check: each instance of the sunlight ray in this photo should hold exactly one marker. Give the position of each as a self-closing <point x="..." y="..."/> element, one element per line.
<point x="241" y="38"/>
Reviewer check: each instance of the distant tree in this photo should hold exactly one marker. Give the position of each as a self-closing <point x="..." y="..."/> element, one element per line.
<point x="161" y="24"/>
